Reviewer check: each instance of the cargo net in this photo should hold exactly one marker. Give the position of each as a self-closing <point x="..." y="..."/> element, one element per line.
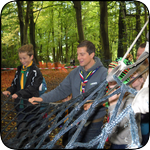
<point x="35" y="129"/>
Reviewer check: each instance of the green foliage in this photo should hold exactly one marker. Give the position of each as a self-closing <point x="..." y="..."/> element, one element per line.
<point x="58" y="18"/>
<point x="10" y="62"/>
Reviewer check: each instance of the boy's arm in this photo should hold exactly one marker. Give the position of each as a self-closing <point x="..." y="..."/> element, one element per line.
<point x="13" y="87"/>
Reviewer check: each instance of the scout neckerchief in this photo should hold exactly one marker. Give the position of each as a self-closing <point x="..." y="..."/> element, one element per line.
<point x="84" y="81"/>
<point x="24" y="71"/>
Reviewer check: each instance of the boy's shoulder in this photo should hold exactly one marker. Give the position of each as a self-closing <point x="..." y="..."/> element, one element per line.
<point x="34" y="66"/>
<point x="19" y="68"/>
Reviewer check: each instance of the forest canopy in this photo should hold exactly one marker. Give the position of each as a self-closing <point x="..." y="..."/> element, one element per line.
<point x="56" y="27"/>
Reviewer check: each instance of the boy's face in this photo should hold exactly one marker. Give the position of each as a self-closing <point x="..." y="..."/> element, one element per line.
<point x="137" y="83"/>
<point x="139" y="52"/>
<point x="25" y="59"/>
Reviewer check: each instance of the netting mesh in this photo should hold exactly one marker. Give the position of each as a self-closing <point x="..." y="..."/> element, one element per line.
<point x="36" y="128"/>
<point x="35" y="124"/>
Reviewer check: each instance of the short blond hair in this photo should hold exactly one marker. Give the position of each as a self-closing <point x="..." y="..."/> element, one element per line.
<point x="28" y="48"/>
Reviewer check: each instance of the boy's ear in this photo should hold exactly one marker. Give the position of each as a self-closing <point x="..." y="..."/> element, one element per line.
<point x="32" y="57"/>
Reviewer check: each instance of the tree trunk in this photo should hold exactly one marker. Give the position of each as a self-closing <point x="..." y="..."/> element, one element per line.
<point x="32" y="32"/>
<point x="23" y="25"/>
<point x="72" y="51"/>
<point x="138" y="23"/>
<point x="104" y="31"/>
<point x="26" y="22"/>
<point x="40" y="50"/>
<point x="20" y="16"/>
<point x="66" y="42"/>
<point x="122" y="46"/>
<point x="47" y="51"/>
<point x="59" y="51"/>
<point x="77" y="6"/>
<point x="53" y="36"/>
